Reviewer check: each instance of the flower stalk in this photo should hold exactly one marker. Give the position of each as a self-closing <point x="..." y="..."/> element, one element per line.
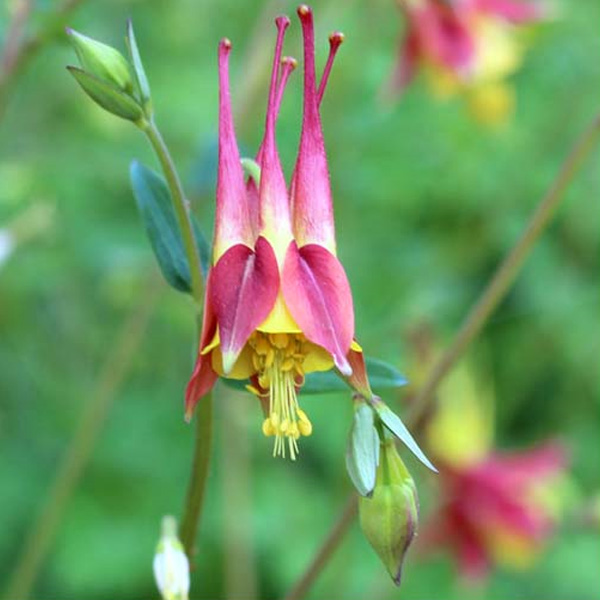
<point x="198" y="475"/>
<point x="181" y="205"/>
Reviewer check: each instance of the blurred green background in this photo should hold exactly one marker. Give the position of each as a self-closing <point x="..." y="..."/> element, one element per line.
<point x="427" y="203"/>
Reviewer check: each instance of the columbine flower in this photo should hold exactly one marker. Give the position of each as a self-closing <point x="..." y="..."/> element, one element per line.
<point x="499" y="510"/>
<point x="494" y="508"/>
<point x="278" y="303"/>
<point x="465" y="46"/>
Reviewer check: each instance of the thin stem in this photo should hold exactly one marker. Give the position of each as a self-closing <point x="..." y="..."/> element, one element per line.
<point x="12" y="45"/>
<point x="472" y="325"/>
<point x="198" y="476"/>
<point x="506" y="273"/>
<point x="182" y="207"/>
<point x="326" y="551"/>
<point x="80" y="449"/>
<point x="203" y="424"/>
<point x="235" y="465"/>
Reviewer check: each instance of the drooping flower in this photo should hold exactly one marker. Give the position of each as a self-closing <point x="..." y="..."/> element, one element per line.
<point x="278" y="304"/>
<point x="493" y="507"/>
<point x="467" y="47"/>
<point x="500" y="510"/>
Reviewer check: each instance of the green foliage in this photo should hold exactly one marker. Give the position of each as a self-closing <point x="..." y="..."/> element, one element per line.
<point x="395" y="425"/>
<point x="158" y="215"/>
<point x="141" y="81"/>
<point x="362" y="452"/>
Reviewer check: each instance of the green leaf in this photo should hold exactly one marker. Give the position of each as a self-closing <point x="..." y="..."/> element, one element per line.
<point x="393" y="422"/>
<point x="384" y="377"/>
<point x="362" y="452"/>
<point x="138" y="68"/>
<point x="154" y="203"/>
<point x="107" y="96"/>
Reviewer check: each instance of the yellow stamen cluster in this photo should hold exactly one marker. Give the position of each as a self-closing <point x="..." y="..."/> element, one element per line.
<point x="278" y="358"/>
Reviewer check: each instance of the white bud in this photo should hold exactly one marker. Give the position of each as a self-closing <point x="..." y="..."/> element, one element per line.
<point x="7" y="245"/>
<point x="171" y="566"/>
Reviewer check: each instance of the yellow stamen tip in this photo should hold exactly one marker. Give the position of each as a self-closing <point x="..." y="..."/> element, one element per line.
<point x="279" y="340"/>
<point x="305" y="428"/>
<point x="278" y="359"/>
<point x="267" y="428"/>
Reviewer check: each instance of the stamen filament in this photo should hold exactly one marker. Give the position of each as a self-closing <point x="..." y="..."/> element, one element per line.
<point x="278" y="359"/>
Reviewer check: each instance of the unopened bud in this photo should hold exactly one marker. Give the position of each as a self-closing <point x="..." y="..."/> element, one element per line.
<point x="102" y="61"/>
<point x="171" y="566"/>
<point x="7" y="245"/>
<point x="389" y="518"/>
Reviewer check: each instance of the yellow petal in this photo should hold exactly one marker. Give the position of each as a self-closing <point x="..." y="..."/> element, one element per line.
<point x="213" y="344"/>
<point x="279" y="320"/>
<point x="510" y="548"/>
<point x="316" y="358"/>
<point x="243" y="367"/>
<point x="491" y="103"/>
<point x="498" y="51"/>
<point x="355" y="346"/>
<point x="461" y="430"/>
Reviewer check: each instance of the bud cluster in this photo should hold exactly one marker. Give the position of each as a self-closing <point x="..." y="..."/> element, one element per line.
<point x="116" y="84"/>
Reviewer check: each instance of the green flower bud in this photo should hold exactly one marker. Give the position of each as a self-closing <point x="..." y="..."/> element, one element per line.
<point x="389" y="518"/>
<point x="107" y="96"/>
<point x="102" y="61"/>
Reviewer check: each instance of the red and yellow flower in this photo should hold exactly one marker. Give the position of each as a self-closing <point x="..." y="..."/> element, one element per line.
<point x="494" y="508"/>
<point x="278" y="303"/>
<point x="466" y="46"/>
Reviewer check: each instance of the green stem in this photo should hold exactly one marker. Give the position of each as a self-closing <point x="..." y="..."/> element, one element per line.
<point x="506" y="273"/>
<point x="68" y="474"/>
<point x="203" y="424"/>
<point x="326" y="551"/>
<point x="478" y="315"/>
<point x="198" y="475"/>
<point x="181" y="205"/>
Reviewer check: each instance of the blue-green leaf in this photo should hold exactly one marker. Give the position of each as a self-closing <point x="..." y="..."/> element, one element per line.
<point x="362" y="452"/>
<point x="382" y="375"/>
<point x="138" y="68"/>
<point x="154" y="203"/>
<point x="393" y="422"/>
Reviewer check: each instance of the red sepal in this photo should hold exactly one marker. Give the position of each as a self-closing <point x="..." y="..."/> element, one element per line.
<point x="245" y="284"/>
<point x="317" y="293"/>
